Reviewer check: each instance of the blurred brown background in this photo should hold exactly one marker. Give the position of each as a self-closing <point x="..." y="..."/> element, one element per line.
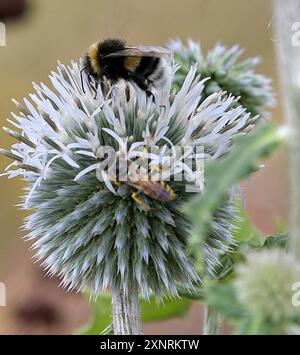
<point x="51" y="30"/>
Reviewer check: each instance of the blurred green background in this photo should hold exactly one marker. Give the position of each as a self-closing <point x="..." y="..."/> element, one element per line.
<point x="52" y="30"/>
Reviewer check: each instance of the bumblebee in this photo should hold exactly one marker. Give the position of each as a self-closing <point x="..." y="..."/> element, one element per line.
<point x="145" y="66"/>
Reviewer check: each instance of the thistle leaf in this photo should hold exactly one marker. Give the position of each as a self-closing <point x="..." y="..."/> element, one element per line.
<point x="221" y="175"/>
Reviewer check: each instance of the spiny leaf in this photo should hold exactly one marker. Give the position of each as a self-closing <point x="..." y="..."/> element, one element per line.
<point x="221" y="175"/>
<point x="244" y="232"/>
<point x="276" y="241"/>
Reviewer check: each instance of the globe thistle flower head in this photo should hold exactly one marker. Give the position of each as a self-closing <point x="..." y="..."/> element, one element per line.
<point x="264" y="285"/>
<point x="86" y="226"/>
<point x="226" y="73"/>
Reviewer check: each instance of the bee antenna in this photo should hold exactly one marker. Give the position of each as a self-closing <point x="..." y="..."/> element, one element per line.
<point x="84" y="68"/>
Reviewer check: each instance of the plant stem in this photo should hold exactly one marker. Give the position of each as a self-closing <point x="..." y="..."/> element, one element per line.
<point x="126" y="313"/>
<point x="287" y="43"/>
<point x="211" y="322"/>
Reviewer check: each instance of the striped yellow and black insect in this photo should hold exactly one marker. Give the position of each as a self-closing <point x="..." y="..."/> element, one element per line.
<point x="146" y="66"/>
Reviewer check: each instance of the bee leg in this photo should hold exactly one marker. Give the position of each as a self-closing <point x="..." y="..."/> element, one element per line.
<point x="96" y="89"/>
<point x="150" y="94"/>
<point x="142" y="84"/>
<point x="81" y="78"/>
<point x="136" y="199"/>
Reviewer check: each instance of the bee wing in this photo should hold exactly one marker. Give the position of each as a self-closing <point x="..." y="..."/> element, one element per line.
<point x="142" y="51"/>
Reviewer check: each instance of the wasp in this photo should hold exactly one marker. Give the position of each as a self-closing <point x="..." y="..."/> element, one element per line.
<point x="143" y="180"/>
<point x="157" y="190"/>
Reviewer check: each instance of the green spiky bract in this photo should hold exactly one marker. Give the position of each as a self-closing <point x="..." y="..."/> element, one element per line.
<point x="227" y="72"/>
